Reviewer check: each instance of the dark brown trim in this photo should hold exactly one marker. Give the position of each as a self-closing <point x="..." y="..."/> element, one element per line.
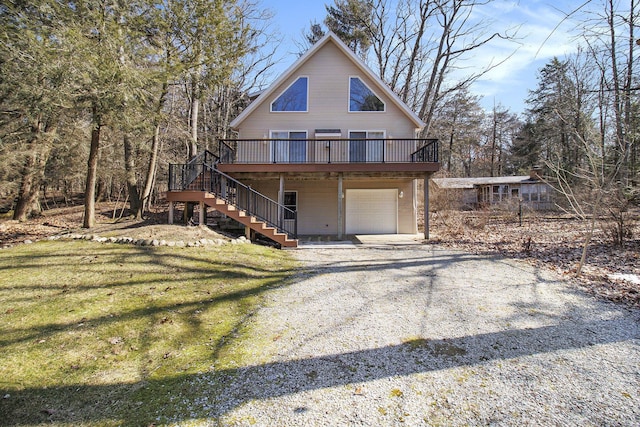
<point x="372" y="168"/>
<point x="187" y="196"/>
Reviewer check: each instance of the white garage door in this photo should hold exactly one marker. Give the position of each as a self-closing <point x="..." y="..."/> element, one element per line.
<point x="371" y="211"/>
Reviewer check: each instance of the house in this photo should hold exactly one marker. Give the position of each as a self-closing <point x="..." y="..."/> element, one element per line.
<point x="329" y="148"/>
<point x="530" y="189"/>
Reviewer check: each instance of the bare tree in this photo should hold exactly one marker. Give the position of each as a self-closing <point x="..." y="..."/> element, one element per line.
<point x="420" y="43"/>
<point x="599" y="185"/>
<point x="458" y="125"/>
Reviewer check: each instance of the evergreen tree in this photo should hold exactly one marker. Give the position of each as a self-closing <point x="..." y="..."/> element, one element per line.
<point x="552" y="112"/>
<point x="316" y="32"/>
<point x="351" y="21"/>
<point x="524" y="152"/>
<point x="35" y="93"/>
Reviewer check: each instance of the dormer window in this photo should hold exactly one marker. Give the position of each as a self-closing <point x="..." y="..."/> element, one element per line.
<point x="294" y="98"/>
<point x="361" y="98"/>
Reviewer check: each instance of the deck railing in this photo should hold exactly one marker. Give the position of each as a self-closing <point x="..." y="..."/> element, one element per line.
<point x="328" y="151"/>
<point x="426" y="153"/>
<point x="235" y="193"/>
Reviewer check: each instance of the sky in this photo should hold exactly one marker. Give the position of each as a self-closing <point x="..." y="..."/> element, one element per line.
<point x="541" y="34"/>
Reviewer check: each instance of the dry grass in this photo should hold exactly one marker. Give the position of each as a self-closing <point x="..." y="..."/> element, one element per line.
<point x="552" y="240"/>
<point x="101" y="334"/>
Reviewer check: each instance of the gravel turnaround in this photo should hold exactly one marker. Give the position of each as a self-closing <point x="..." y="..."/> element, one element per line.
<point x="419" y="335"/>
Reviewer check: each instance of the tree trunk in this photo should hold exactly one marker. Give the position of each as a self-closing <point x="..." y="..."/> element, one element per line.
<point x="145" y="197"/>
<point x="32" y="176"/>
<point x="424" y="16"/>
<point x="617" y="93"/>
<point x="132" y="182"/>
<point x="193" y="119"/>
<point x="494" y="132"/>
<point x="92" y="173"/>
<point x="29" y="190"/>
<point x="627" y="164"/>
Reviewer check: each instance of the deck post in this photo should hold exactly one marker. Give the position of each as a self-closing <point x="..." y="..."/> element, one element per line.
<point x="340" y="205"/>
<point x="281" y="202"/>
<point x="201" y="214"/>
<point x="426" y="207"/>
<point x="170" y="212"/>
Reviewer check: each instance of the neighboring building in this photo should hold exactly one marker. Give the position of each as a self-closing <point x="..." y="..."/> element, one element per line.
<point x="486" y="191"/>
<point x="332" y="145"/>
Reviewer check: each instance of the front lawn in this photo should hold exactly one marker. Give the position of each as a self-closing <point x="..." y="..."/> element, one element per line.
<point x="105" y="334"/>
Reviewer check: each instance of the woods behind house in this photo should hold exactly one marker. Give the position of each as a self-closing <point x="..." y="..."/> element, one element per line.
<point x="98" y="97"/>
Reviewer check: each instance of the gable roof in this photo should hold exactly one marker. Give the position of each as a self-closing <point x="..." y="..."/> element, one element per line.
<point x="329" y="37"/>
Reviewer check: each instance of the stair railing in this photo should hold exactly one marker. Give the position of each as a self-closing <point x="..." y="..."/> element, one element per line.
<point x="201" y="174"/>
<point x="255" y="204"/>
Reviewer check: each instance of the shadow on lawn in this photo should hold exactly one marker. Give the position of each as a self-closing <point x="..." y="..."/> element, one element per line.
<point x="206" y="272"/>
<point x="211" y="395"/>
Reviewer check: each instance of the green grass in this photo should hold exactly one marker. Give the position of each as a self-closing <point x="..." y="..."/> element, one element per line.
<point x="101" y="334"/>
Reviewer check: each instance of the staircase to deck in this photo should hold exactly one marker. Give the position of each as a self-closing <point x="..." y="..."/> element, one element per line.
<point x="200" y="181"/>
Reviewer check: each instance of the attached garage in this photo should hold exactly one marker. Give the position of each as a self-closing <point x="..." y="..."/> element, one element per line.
<point x="371" y="211"/>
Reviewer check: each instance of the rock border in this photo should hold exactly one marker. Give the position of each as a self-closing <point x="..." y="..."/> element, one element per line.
<point x="142" y="242"/>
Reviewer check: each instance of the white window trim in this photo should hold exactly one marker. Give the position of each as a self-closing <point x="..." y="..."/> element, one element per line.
<point x="349" y="131"/>
<point x="271" y="139"/>
<point x="372" y="91"/>
<point x="271" y="132"/>
<point x="287" y="88"/>
<point x="367" y="131"/>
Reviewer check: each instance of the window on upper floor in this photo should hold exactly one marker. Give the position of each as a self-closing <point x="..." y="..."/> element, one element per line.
<point x="294" y="98"/>
<point x="361" y="98"/>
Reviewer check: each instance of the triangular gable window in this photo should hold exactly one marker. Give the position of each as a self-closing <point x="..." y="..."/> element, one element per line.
<point x="294" y="98"/>
<point x="361" y="98"/>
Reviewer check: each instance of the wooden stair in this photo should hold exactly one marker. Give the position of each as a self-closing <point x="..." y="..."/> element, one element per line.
<point x="231" y="211"/>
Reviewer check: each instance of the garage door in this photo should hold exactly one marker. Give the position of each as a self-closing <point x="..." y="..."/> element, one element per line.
<point x="371" y="211"/>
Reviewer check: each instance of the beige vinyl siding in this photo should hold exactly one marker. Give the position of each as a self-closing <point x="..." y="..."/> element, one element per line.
<point x="329" y="71"/>
<point x="317" y="206"/>
<point x="318" y="202"/>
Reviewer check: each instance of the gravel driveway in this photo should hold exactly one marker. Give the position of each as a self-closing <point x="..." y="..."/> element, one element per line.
<point x="419" y="335"/>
